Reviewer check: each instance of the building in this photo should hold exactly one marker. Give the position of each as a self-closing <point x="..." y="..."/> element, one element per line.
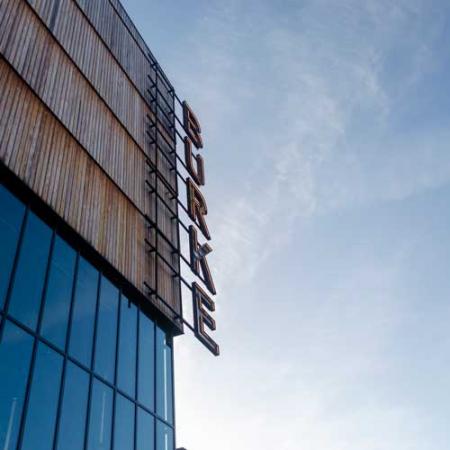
<point x="97" y="203"/>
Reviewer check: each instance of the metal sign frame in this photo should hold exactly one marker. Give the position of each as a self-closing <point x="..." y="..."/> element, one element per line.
<point x="165" y="122"/>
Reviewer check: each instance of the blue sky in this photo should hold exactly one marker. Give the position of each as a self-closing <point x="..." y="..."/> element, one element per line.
<point x="327" y="136"/>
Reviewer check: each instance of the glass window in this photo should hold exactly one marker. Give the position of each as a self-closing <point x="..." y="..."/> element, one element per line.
<point x="59" y="293"/>
<point x="164" y="391"/>
<point x="105" y="355"/>
<point x="126" y="376"/>
<point x="146" y="379"/>
<point x="124" y="424"/>
<point x="73" y="413"/>
<point x="145" y="431"/>
<point x="11" y="216"/>
<point x="164" y="436"/>
<point x="100" y="420"/>
<point x="41" y="415"/>
<point x="115" y="311"/>
<point x="30" y="274"/>
<point x="15" y="355"/>
<point x="82" y="333"/>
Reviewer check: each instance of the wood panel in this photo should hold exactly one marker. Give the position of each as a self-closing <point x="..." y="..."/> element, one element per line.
<point x="118" y="39"/>
<point x="95" y="60"/>
<point x="120" y="35"/>
<point x="72" y="127"/>
<point x="41" y="152"/>
<point x="80" y="40"/>
<point x="123" y="15"/>
<point x="40" y="61"/>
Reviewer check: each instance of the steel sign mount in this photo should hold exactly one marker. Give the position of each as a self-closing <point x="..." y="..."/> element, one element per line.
<point x="166" y="130"/>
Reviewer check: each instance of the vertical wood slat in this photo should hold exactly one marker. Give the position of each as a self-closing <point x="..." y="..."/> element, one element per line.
<point x="44" y="154"/>
<point x="64" y="174"/>
<point x="61" y="92"/>
<point x="135" y="107"/>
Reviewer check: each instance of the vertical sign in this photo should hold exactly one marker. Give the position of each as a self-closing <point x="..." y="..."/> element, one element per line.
<point x="203" y="304"/>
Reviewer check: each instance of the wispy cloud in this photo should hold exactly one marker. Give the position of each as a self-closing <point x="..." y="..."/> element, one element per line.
<point x="332" y="140"/>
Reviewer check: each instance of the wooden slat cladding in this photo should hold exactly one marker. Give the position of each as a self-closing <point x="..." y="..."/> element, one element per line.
<point x="90" y="53"/>
<point x="72" y="127"/>
<point x="122" y="39"/>
<point x="41" y="152"/>
<point x="131" y="27"/>
<point x="165" y="86"/>
<point x="96" y="61"/>
<point x="41" y="62"/>
<point x="118" y="39"/>
<point x="79" y="39"/>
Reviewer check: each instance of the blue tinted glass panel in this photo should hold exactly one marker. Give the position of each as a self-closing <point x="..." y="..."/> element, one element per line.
<point x="106" y="330"/>
<point x="164" y="391"/>
<point x="11" y="216"/>
<point x="164" y="436"/>
<point x="100" y="420"/>
<point x="81" y="338"/>
<point x="59" y="292"/>
<point x="30" y="275"/>
<point x="41" y="416"/>
<point x="146" y="361"/>
<point x="15" y="354"/>
<point x="145" y="431"/>
<point x="73" y="415"/>
<point x="127" y="347"/>
<point x="124" y="424"/>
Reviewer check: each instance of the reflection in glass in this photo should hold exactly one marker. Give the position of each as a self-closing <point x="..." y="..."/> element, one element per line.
<point x="15" y="354"/>
<point x="11" y="216"/>
<point x="82" y="332"/>
<point x="59" y="292"/>
<point x="126" y="376"/>
<point x="30" y="274"/>
<point x="101" y="417"/>
<point x="164" y="436"/>
<point x="73" y="414"/>
<point x="164" y="391"/>
<point x="41" y="416"/>
<point x="146" y="361"/>
<point x="124" y="424"/>
<point x="145" y="431"/>
<point x="106" y="330"/>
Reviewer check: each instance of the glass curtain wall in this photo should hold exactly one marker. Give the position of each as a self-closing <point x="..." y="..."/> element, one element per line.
<point x="81" y="366"/>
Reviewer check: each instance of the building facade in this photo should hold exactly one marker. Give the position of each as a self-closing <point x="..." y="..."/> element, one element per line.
<point x="96" y="206"/>
<point x="82" y="366"/>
